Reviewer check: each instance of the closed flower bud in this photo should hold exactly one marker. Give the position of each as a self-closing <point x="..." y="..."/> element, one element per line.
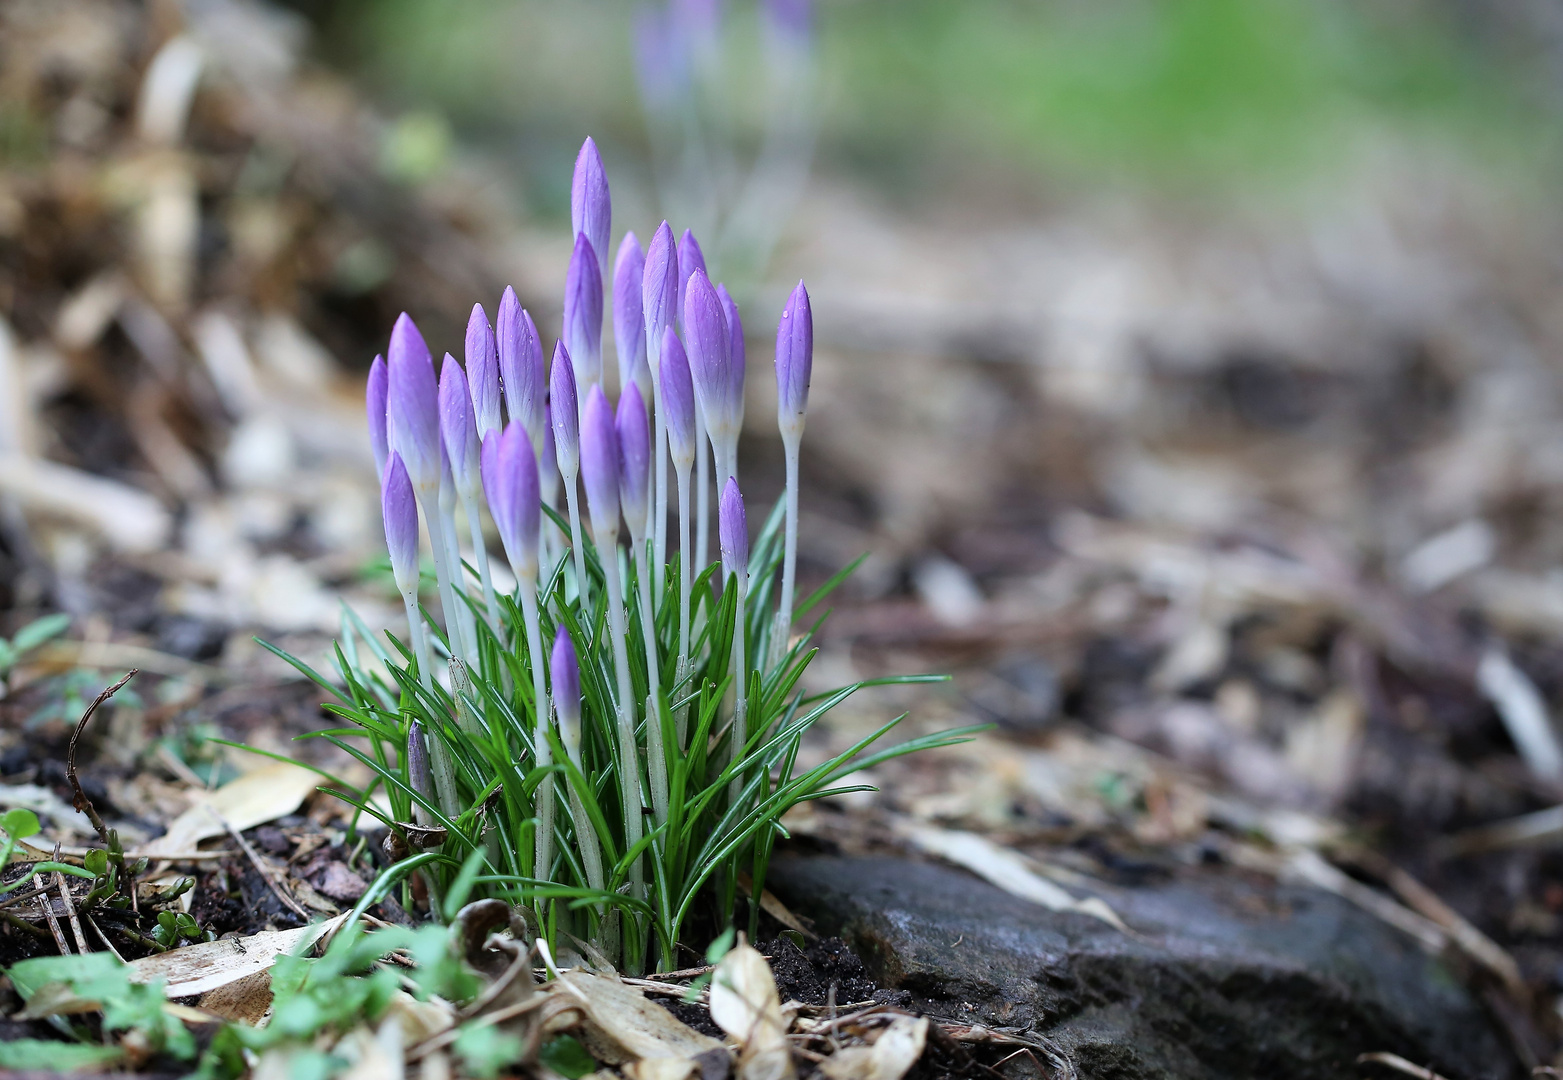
<point x="521" y="364"/>
<point x="711" y="359"/>
<point x="660" y="285"/>
<point x="629" y="326"/>
<point x="566" y="672"/>
<point x="634" y="437"/>
<point x="737" y="352"/>
<point x="457" y="427"/>
<point x="733" y="530"/>
<point x="374" y="405"/>
<point x="600" y="465"/>
<point x="564" y="412"/>
<point x="400" y="510"/>
<point x="678" y="400"/>
<point x="418" y="762"/>
<point x="690" y="259"/>
<point x="591" y="208"/>
<point x="511" y="485"/>
<point x="583" y="313"/>
<point x="413" y="424"/>
<point x="483" y="371"/>
<point x="794" y="362"/>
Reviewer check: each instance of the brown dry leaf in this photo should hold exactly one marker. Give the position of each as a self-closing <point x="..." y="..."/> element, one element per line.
<point x="622" y="1025"/>
<point x="660" y="1069"/>
<point x="744" y="1003"/>
<point x="198" y="969"/>
<point x="890" y="1058"/>
<point x="246" y="999"/>
<point x="253" y="799"/>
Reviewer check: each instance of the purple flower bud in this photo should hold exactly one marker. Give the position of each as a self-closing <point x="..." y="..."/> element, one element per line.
<point x="583" y="313"/>
<point x="413" y="426"/>
<point x="736" y="350"/>
<point x="483" y="371"/>
<point x="566" y="672"/>
<point x="591" y="209"/>
<point x="521" y="363"/>
<point x="374" y="404"/>
<point x="733" y="530"/>
<point x="564" y="412"/>
<point x="629" y="326"/>
<point x="634" y="457"/>
<point x="399" y="508"/>
<point x="660" y="285"/>
<point x="690" y="259"/>
<point x="456" y="425"/>
<point x="794" y="361"/>
<point x="510" y="482"/>
<point x="791" y="20"/>
<point x="711" y="359"/>
<point x="418" y="762"/>
<point x="678" y="400"/>
<point x="600" y="464"/>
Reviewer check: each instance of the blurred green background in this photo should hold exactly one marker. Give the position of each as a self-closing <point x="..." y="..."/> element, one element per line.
<point x="921" y="96"/>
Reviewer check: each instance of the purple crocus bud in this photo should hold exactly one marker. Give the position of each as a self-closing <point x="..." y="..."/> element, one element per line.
<point x="736" y="350"/>
<point x="457" y="427"/>
<point x="400" y="511"/>
<point x="794" y="362"/>
<point x="629" y="325"/>
<point x="566" y="672"/>
<point x="711" y="359"/>
<point x="510" y="482"/>
<point x="678" y="400"/>
<point x="564" y="413"/>
<point x="733" y="529"/>
<point x="583" y="313"/>
<point x="600" y="464"/>
<point x="634" y="434"/>
<point x="791" y="20"/>
<point x="374" y="404"/>
<point x="591" y="208"/>
<point x="413" y="416"/>
<point x="418" y="762"/>
<point x="690" y="259"/>
<point x="521" y="363"/>
<point x="483" y="371"/>
<point x="660" y="285"/>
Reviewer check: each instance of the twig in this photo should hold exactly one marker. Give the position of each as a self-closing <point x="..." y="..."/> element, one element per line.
<point x="23" y="924"/>
<point x="82" y="802"/>
<point x="1400" y="1064"/>
<point x="265" y="873"/>
<point x="102" y="936"/>
<point x="54" y="922"/>
<point x="28" y="895"/>
<point x="686" y="973"/>
<point x="70" y="910"/>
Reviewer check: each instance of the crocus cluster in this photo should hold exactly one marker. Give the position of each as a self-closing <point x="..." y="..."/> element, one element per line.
<point x="498" y="430"/>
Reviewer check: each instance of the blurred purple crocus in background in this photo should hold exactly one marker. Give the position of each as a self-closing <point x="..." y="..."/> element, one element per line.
<point x="374" y="404"/>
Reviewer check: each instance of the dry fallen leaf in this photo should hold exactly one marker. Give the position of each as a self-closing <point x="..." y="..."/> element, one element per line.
<point x="255" y="798"/>
<point x="744" y="1003"/>
<point x="890" y="1058"/>
<point x="199" y="969"/>
<point x="622" y="1025"/>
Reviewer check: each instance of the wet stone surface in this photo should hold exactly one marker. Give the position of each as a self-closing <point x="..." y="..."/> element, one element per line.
<point x="1224" y="976"/>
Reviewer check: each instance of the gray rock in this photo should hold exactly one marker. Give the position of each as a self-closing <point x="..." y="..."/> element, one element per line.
<point x="1224" y="976"/>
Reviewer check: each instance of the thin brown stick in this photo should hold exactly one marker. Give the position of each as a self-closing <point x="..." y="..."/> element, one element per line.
<point x="70" y="910"/>
<point x="54" y="922"/>
<point x="102" y="936"/>
<point x="83" y="803"/>
<point x="23" y="924"/>
<point x="1399" y="1064"/>
<point x="28" y="895"/>
<point x="265" y="872"/>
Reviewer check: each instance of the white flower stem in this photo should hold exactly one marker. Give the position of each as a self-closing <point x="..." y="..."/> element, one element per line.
<point x="681" y="719"/>
<point x="440" y="767"/>
<point x="659" y="512"/>
<point x="629" y="756"/>
<point x="431" y="518"/>
<point x="702" y="496"/>
<point x="656" y="756"/>
<point x="420" y="639"/>
<point x="541" y="749"/>
<point x="579" y="548"/>
<point x="469" y="502"/>
<point x="783" y="628"/>
<point x="463" y="620"/>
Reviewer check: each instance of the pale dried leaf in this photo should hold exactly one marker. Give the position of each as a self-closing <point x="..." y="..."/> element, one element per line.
<point x="245" y="999"/>
<point x="660" y="1069"/>
<point x="198" y="969"/>
<point x="127" y="518"/>
<point x="890" y="1058"/>
<point x="744" y="1003"/>
<point x="255" y="798"/>
<point x="622" y="1025"/>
